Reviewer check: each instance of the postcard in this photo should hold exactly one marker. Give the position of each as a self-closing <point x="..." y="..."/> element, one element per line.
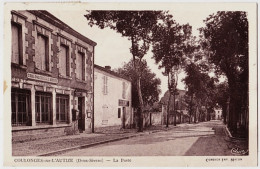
<point x="130" y="84"/>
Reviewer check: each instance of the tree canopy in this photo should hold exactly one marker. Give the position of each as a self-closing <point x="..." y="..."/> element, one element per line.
<point x="226" y="39"/>
<point x="201" y="87"/>
<point x="149" y="82"/>
<point x="170" y="43"/>
<point x="136" y="26"/>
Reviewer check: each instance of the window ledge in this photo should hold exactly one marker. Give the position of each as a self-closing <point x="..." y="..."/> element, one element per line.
<point x="82" y="81"/>
<point x="43" y="72"/>
<point x="18" y="66"/>
<point x="39" y="127"/>
<point x="65" y="77"/>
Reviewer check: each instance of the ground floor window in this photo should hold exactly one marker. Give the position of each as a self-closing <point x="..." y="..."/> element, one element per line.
<point x="119" y="113"/>
<point x="105" y="115"/>
<point x="62" y="108"/>
<point x="20" y="102"/>
<point x="43" y="107"/>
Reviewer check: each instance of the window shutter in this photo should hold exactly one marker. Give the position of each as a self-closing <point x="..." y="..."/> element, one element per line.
<point x="123" y="91"/>
<point x="106" y="85"/>
<point x="103" y="88"/>
<point x="15" y="44"/>
<point x="63" y="60"/>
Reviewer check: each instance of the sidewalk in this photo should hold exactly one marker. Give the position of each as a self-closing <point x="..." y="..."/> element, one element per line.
<point x="56" y="145"/>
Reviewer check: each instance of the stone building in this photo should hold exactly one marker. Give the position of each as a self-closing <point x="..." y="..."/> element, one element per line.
<point x="217" y="115"/>
<point x="52" y="75"/>
<point x="180" y="107"/>
<point x="112" y="98"/>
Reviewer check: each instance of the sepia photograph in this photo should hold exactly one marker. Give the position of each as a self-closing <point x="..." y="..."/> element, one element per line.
<point x="122" y="84"/>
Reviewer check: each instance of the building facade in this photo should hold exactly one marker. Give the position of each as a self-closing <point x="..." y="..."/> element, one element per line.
<point x="180" y="107"/>
<point x="217" y="113"/>
<point x="112" y="99"/>
<point x="52" y="73"/>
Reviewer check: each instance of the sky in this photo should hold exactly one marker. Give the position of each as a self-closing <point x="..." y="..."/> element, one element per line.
<point x="112" y="49"/>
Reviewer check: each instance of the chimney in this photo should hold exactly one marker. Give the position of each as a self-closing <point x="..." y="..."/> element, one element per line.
<point x="108" y="67"/>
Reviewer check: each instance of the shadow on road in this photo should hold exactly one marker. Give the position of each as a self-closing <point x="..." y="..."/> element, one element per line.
<point x="217" y="145"/>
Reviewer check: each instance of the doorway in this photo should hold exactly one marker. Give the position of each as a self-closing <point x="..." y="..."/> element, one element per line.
<point x="81" y="108"/>
<point x="124" y="117"/>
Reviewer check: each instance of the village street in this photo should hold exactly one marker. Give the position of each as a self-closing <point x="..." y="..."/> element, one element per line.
<point x="206" y="138"/>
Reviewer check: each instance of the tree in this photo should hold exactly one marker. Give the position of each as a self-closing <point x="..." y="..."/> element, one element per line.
<point x="201" y="90"/>
<point x="169" y="50"/>
<point x="226" y="37"/>
<point x="149" y="82"/>
<point x="136" y="26"/>
<point x="222" y="95"/>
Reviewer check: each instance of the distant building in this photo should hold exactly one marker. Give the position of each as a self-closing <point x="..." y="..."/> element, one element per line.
<point x="112" y="98"/>
<point x="180" y="107"/>
<point x="152" y="115"/>
<point x="52" y="75"/>
<point x="217" y="114"/>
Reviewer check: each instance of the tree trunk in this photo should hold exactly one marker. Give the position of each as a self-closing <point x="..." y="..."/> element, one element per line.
<point x="195" y="115"/>
<point x="168" y="109"/>
<point x="224" y="113"/>
<point x="190" y="110"/>
<point x="233" y="116"/>
<point x="234" y="110"/>
<point x="208" y="114"/>
<point x="141" y="104"/>
<point x="150" y="119"/>
<point x="227" y="111"/>
<point x="175" y="113"/>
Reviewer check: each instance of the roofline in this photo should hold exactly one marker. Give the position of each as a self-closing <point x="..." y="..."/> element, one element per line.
<point x="47" y="16"/>
<point x="111" y="72"/>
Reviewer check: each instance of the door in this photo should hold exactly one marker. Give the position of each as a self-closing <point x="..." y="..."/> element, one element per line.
<point x="81" y="121"/>
<point x="124" y="117"/>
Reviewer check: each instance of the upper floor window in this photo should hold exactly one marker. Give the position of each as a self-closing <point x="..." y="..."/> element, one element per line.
<point x="17" y="44"/>
<point x="80" y="66"/>
<point x="42" y="53"/>
<point x="105" y="88"/>
<point x="64" y="61"/>
<point x="124" y="90"/>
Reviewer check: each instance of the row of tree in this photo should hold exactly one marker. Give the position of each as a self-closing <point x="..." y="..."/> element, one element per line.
<point x="225" y="38"/>
<point x="222" y="48"/>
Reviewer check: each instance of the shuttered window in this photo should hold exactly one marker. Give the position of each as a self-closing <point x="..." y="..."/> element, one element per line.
<point x="42" y="53"/>
<point x="124" y="90"/>
<point x="16" y="44"/>
<point x="63" y="60"/>
<point x="80" y="66"/>
<point x="105" y="86"/>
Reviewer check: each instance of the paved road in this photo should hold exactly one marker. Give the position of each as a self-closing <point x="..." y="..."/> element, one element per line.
<point x="207" y="138"/>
